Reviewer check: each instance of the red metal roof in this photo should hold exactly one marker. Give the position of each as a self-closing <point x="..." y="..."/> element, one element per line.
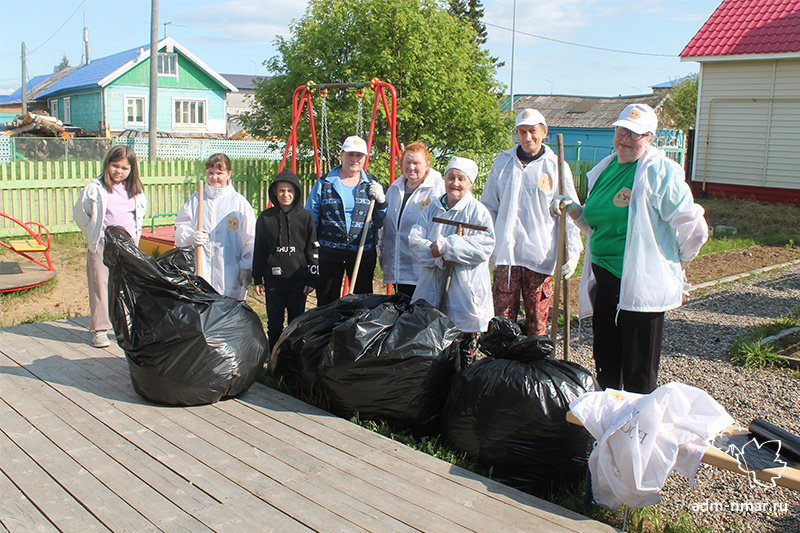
<point x="748" y="27"/>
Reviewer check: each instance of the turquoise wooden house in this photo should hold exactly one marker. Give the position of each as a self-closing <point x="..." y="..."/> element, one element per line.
<point x="111" y="94"/>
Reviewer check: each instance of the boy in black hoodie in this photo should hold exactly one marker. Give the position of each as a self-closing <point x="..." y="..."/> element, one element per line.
<point x="285" y="258"/>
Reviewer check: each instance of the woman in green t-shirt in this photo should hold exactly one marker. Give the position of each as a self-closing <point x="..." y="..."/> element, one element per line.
<point x="642" y="228"/>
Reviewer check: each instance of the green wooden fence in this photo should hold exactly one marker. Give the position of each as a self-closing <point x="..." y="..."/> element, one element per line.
<point x="45" y="191"/>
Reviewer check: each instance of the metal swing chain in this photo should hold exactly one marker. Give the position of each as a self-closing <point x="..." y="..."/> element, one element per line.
<point x="326" y="151"/>
<point x="360" y="116"/>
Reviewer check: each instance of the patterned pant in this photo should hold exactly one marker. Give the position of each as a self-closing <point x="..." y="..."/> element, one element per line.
<point x="537" y="291"/>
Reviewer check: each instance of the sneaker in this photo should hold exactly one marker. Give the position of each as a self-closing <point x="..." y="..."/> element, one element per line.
<point x="100" y="339"/>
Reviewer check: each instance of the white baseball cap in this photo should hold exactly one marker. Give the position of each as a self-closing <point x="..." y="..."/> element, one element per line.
<point x="529" y="117"/>
<point x="354" y="143"/>
<point x="639" y="118"/>
<point x="467" y="166"/>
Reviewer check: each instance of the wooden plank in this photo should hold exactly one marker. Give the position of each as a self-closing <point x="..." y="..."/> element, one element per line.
<point x="53" y="500"/>
<point x="17" y="513"/>
<point x="112" y="478"/>
<point x="225" y="458"/>
<point x="394" y="457"/>
<point x="140" y="424"/>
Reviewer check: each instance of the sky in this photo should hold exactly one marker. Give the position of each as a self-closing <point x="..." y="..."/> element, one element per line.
<point x="573" y="47"/>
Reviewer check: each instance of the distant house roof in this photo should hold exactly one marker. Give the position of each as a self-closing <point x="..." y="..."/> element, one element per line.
<point x="740" y="27"/>
<point x="243" y="81"/>
<point x="100" y="72"/>
<point x="35" y="86"/>
<point x="561" y="111"/>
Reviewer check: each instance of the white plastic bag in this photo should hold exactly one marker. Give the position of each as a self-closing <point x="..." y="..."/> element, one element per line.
<point x="642" y="438"/>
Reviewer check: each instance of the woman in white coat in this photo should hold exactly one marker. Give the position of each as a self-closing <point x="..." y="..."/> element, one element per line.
<point x="115" y="198"/>
<point x="406" y="198"/>
<point x="442" y="252"/>
<point x="228" y="233"/>
<point x="643" y="228"/>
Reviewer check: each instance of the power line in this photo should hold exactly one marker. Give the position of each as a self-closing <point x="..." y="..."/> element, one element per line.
<point x="59" y="29"/>
<point x="578" y="44"/>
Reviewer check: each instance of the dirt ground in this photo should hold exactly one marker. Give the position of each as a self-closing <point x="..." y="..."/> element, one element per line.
<point x="67" y="294"/>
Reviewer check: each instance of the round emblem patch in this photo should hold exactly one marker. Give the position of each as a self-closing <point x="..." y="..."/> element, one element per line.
<point x="623" y="197"/>
<point x="232" y="223"/>
<point x="526" y="114"/>
<point x="545" y="183"/>
<point x="424" y="203"/>
<point x="634" y="114"/>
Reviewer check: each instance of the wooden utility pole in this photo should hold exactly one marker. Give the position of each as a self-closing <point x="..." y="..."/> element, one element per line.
<point x="24" y="81"/>
<point x="152" y="121"/>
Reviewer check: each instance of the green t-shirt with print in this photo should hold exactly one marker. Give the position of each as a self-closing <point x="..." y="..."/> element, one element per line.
<point x="606" y="212"/>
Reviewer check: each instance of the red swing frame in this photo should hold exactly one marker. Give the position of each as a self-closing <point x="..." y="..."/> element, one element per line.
<point x="302" y="99"/>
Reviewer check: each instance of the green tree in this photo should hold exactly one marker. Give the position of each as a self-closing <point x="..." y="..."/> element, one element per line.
<point x="680" y="106"/>
<point x="64" y="63"/>
<point x="448" y="95"/>
<point x="472" y="11"/>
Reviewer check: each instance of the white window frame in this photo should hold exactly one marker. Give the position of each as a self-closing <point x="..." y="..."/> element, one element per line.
<point x="129" y="98"/>
<point x="67" y="111"/>
<point x="162" y="58"/>
<point x="53" y="104"/>
<point x="189" y="107"/>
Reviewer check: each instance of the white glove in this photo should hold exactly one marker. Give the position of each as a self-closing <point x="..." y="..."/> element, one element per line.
<point x="245" y="277"/>
<point x="564" y="204"/>
<point x="568" y="268"/>
<point x="198" y="238"/>
<point x="376" y="192"/>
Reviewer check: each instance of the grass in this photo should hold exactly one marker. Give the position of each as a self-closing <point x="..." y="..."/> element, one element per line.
<point x="755" y="224"/>
<point x="747" y="351"/>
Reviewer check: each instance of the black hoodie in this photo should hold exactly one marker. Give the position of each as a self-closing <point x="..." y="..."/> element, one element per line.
<point x="286" y="241"/>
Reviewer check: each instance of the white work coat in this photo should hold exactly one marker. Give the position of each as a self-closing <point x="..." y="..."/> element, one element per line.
<point x="468" y="303"/>
<point x="665" y="228"/>
<point x="519" y="201"/>
<point x="397" y="261"/>
<point x="230" y="222"/>
<point x="90" y="211"/>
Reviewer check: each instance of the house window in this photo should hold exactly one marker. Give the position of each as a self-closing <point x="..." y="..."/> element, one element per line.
<point x="167" y="64"/>
<point x="67" y="111"/>
<point x="54" y="107"/>
<point x="134" y="110"/>
<point x="190" y="112"/>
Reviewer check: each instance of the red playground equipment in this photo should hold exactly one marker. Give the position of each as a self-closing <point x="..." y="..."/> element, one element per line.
<point x="15" y="276"/>
<point x="302" y="99"/>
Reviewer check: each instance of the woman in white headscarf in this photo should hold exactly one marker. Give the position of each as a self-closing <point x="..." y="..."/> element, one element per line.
<point x="464" y="258"/>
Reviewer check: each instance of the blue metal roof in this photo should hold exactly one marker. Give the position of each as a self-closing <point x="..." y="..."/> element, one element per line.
<point x="91" y="74"/>
<point x="17" y="95"/>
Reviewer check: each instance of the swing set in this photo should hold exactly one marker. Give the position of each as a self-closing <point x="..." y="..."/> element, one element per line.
<point x="302" y="100"/>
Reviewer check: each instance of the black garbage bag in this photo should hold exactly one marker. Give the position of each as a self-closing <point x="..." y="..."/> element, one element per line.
<point x="393" y="363"/>
<point x="509" y="414"/>
<point x="296" y="355"/>
<point x="185" y="343"/>
<point x="499" y="335"/>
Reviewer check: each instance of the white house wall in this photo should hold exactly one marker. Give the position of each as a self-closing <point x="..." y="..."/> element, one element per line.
<point x="748" y="123"/>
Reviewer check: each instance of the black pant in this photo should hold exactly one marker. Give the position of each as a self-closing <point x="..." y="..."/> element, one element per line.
<point x="283" y="296"/>
<point x="331" y="273"/>
<point x="408" y="290"/>
<point x="627" y="346"/>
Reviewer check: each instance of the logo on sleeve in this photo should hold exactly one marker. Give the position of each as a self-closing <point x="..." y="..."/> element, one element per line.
<point x="232" y="223"/>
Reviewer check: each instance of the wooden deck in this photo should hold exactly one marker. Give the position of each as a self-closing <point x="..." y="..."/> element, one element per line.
<point x="80" y="451"/>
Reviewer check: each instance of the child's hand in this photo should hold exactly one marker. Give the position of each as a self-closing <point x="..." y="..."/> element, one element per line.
<point x="260" y="290"/>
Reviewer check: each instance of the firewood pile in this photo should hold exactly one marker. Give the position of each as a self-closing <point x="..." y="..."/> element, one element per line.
<point x="41" y="125"/>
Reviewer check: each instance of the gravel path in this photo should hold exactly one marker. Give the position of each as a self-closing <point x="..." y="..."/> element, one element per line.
<point x="697" y="337"/>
